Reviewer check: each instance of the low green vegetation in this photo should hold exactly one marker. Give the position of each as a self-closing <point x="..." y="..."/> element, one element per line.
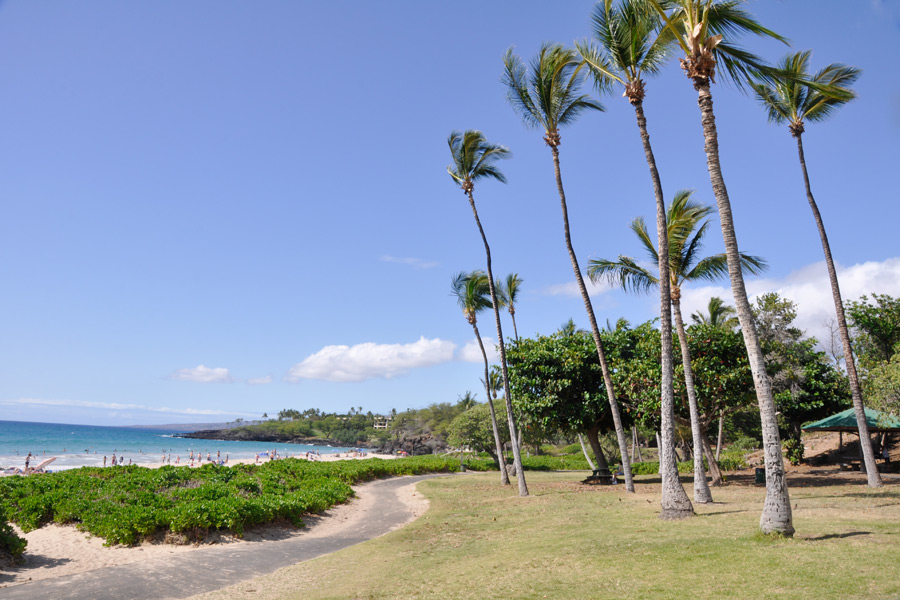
<point x="573" y="541"/>
<point x="127" y="504"/>
<point x="11" y="545"/>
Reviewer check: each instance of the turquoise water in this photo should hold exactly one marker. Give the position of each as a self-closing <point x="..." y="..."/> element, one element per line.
<point x="86" y="445"/>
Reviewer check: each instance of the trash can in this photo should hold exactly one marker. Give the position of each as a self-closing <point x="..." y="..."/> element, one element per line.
<point x="760" y="475"/>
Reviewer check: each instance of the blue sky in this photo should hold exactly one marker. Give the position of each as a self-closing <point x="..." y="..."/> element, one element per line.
<point x="212" y="210"/>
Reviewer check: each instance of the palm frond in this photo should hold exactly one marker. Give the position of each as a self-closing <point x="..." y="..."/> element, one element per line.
<point x="640" y="230"/>
<point x="474" y="157"/>
<point x="625" y="272"/>
<point x="516" y="82"/>
<point x="547" y="93"/>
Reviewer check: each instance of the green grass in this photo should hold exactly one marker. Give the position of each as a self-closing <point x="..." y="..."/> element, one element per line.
<point x="568" y="540"/>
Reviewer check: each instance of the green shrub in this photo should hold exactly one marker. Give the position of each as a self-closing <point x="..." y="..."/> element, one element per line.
<point x="10" y="543"/>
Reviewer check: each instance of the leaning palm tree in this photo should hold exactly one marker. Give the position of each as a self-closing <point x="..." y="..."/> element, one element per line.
<point x="699" y="27"/>
<point x="793" y="97"/>
<point x="471" y="292"/>
<point x="632" y="44"/>
<point x="685" y="240"/>
<point x="508" y="293"/>
<point x="473" y="159"/>
<point x="548" y="96"/>
<point x="718" y="314"/>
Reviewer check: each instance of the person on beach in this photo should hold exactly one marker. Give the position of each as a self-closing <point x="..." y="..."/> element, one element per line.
<point x="27" y="461"/>
<point x="114" y="459"/>
<point x="257" y="458"/>
<point x="104" y="461"/>
<point x="177" y="458"/>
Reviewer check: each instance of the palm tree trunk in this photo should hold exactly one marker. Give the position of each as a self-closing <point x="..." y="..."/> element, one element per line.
<point x="675" y="502"/>
<point x="501" y="460"/>
<point x="510" y="417"/>
<point x="702" y="493"/>
<point x="874" y="477"/>
<point x="584" y="450"/>
<point x="595" y="330"/>
<point x="512" y="315"/>
<point x="637" y="442"/>
<point x="715" y="472"/>
<point x="594" y="441"/>
<point x="776" y="515"/>
<point x="721" y="433"/>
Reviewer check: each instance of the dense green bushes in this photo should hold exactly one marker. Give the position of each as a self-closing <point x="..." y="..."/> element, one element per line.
<point x="10" y="544"/>
<point x="726" y="463"/>
<point x="126" y="504"/>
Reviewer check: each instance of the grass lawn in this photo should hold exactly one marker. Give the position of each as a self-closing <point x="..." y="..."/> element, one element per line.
<point x="569" y="540"/>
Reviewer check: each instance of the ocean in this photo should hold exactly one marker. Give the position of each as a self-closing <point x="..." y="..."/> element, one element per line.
<point x="86" y="445"/>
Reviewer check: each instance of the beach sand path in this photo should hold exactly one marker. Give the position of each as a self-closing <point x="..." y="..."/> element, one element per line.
<point x="380" y="507"/>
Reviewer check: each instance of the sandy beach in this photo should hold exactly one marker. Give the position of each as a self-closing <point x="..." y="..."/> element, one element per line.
<point x="61" y="551"/>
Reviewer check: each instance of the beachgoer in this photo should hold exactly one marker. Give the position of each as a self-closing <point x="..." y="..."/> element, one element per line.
<point x="208" y="457"/>
<point x="104" y="461"/>
<point x="27" y="461"/>
<point x="257" y="458"/>
<point x="177" y="458"/>
<point x="114" y="459"/>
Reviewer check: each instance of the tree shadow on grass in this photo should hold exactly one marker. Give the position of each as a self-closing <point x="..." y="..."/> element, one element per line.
<point x="837" y="536"/>
<point x="716" y="513"/>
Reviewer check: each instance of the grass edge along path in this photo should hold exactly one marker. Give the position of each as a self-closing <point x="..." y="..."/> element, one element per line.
<point x="568" y="540"/>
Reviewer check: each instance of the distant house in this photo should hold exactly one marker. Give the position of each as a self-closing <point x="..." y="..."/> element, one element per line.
<point x="381" y="422"/>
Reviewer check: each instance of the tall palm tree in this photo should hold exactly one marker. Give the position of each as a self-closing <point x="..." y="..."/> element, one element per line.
<point x="793" y="97"/>
<point x="471" y="292"/>
<point x="548" y="96"/>
<point x="508" y="293"/>
<point x="630" y="46"/>
<point x="685" y="240"/>
<point x="699" y="27"/>
<point x="718" y="314"/>
<point x="473" y="158"/>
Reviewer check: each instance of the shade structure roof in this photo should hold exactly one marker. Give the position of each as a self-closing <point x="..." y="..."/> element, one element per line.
<point x="846" y="421"/>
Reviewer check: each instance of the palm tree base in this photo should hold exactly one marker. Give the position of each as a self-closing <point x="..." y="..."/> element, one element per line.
<point x="676" y="514"/>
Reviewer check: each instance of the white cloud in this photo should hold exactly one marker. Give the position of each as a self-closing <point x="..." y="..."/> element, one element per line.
<point x="415" y="263"/>
<point x="259" y="380"/>
<point x="571" y="289"/>
<point x="203" y="374"/>
<point x="810" y="289"/>
<point x="371" y="361"/>
<point x="472" y="353"/>
<point x="114" y="406"/>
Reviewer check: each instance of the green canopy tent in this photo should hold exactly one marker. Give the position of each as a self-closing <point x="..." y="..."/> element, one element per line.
<point x="877" y="421"/>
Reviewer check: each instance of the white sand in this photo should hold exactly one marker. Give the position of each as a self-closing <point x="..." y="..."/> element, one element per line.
<point x="60" y="551"/>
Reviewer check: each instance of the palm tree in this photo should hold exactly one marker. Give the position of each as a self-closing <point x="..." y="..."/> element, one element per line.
<point x="467" y="400"/>
<point x="718" y="314"/>
<point x="508" y="293"/>
<point x="699" y="27"/>
<point x="630" y="46"/>
<point x="685" y="241"/>
<point x="471" y="292"/>
<point x="473" y="159"/>
<point x="549" y="97"/>
<point x="793" y="97"/>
